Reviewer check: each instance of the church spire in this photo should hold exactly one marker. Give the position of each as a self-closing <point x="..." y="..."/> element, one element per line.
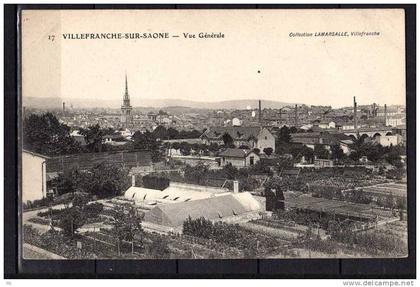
<point x="126" y="98"/>
<point x="126" y="116"/>
<point x="126" y="84"/>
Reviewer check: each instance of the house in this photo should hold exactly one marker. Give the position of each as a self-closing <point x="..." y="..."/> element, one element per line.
<point x="238" y="157"/>
<point x="321" y="163"/>
<point x="396" y="120"/>
<point x="323" y="138"/>
<point x="34" y="176"/>
<point x="252" y="137"/>
<point x="324" y="124"/>
<point x="388" y="140"/>
<point x="78" y="137"/>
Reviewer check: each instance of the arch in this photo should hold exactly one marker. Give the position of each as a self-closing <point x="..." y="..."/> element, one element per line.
<point x="377" y="134"/>
<point x="353" y="137"/>
<point x="364" y="136"/>
<point x="389" y="133"/>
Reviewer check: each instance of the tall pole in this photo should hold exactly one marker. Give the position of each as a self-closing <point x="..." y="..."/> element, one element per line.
<point x="355" y="113"/>
<point x="385" y="114"/>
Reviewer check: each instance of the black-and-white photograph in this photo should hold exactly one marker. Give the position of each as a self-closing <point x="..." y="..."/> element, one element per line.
<point x="213" y="134"/>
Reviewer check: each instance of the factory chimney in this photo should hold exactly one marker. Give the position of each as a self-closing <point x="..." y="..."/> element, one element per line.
<point x="386" y="115"/>
<point x="355" y="113"/>
<point x="259" y="112"/>
<point x="133" y="180"/>
<point x="235" y="186"/>
<point x="296" y="116"/>
<point x="64" y="107"/>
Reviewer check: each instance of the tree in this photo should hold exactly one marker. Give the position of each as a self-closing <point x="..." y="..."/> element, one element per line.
<point x="284" y="135"/>
<point x="126" y="225"/>
<point x="72" y="218"/>
<point x="196" y="174"/>
<point x="230" y="171"/>
<point x="44" y="134"/>
<point x="147" y="141"/>
<point x="214" y="147"/>
<point x="268" y="151"/>
<point x="228" y="140"/>
<point x="336" y="152"/>
<point x="107" y="180"/>
<point x="159" y="248"/>
<point x="93" y="137"/>
<point x="172" y="133"/>
<point x="275" y="185"/>
<point x="160" y="132"/>
<point x="185" y="148"/>
<point x="321" y="152"/>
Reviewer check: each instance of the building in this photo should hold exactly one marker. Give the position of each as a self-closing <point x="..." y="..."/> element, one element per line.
<point x="34" y="177"/>
<point x="323" y="138"/>
<point x="389" y="140"/>
<point x="78" y="137"/>
<point x="252" y="137"/>
<point x="395" y="120"/>
<point x="321" y="163"/>
<point x="238" y="157"/>
<point x="210" y="161"/>
<point x="126" y="108"/>
<point x="230" y="208"/>
<point x="165" y="211"/>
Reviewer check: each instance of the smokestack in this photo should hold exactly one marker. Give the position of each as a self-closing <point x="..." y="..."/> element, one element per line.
<point x="259" y="112"/>
<point x="235" y="186"/>
<point x="133" y="180"/>
<point x="386" y="115"/>
<point x="296" y="116"/>
<point x="355" y="113"/>
<point x="64" y="107"/>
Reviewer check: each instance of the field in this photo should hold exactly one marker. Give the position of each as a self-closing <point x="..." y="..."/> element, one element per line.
<point x="396" y="189"/>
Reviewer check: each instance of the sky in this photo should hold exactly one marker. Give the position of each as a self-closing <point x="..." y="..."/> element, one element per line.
<point x="256" y="59"/>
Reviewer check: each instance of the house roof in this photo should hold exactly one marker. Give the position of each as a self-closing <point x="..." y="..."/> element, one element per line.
<point x="235" y="152"/>
<point x="237" y="133"/>
<point x="214" y="208"/>
<point x="314" y="138"/>
<point x="176" y="192"/>
<point x="35" y="154"/>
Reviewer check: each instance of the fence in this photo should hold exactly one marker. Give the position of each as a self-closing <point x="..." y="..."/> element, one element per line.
<point x="89" y="160"/>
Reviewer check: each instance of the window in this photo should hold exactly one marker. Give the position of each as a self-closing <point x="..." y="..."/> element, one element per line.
<point x="251" y="160"/>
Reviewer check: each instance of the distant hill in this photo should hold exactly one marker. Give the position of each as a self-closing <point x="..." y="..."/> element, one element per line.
<point x="231" y="104"/>
<point x="53" y="103"/>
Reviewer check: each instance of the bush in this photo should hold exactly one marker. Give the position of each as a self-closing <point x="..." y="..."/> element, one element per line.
<point x="155" y="182"/>
<point x="46" y="201"/>
<point x="70" y="220"/>
<point x="159" y="249"/>
<point x="93" y="210"/>
<point x="54" y="213"/>
<point x="232" y="235"/>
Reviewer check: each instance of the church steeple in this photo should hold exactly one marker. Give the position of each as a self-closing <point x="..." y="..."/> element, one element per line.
<point x="126" y="116"/>
<point x="126" y="99"/>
